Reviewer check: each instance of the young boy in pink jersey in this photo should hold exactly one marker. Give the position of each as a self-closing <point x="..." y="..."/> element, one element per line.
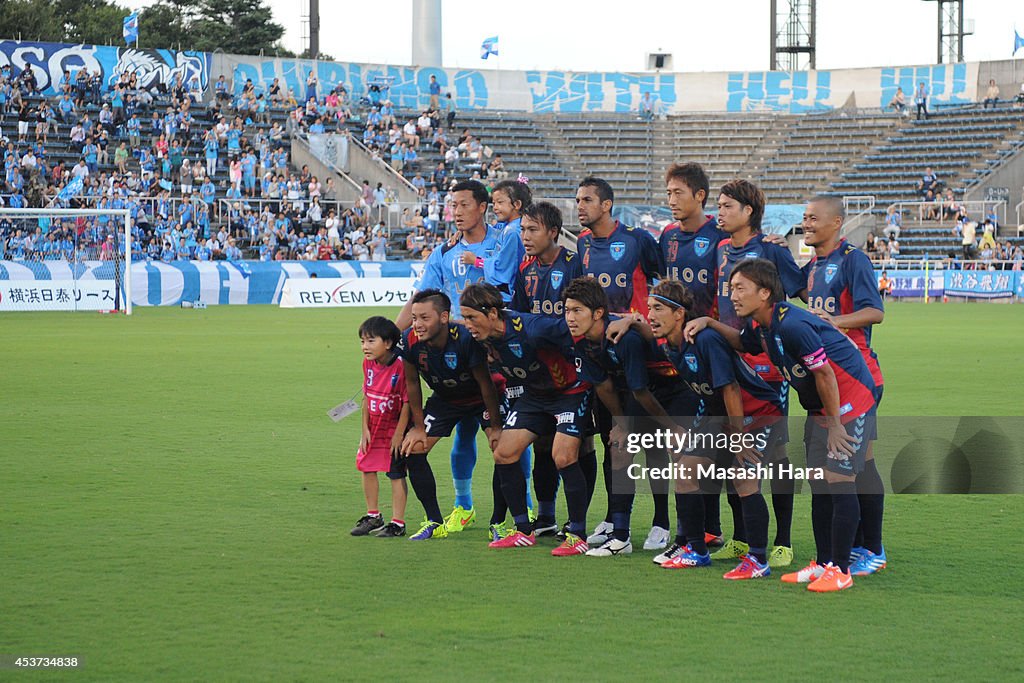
<point x="385" y="419"/>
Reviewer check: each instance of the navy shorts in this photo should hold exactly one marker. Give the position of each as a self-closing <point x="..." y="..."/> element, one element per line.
<point x="398" y="468"/>
<point x="816" y="444"/>
<point x="563" y="414"/>
<point x="440" y="416"/>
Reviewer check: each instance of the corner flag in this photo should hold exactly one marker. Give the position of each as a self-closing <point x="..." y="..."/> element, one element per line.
<point x="489" y="47"/>
<point x="130" y="31"/>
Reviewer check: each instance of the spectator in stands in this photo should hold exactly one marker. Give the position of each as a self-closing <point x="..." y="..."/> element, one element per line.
<point x="929" y="182"/>
<point x="893" y="222"/>
<point x="869" y="244"/>
<point x="991" y="95"/>
<point x="121" y="155"/>
<point x="379" y="244"/>
<point x="647" y="107"/>
<point x="1019" y="100"/>
<point x="899" y="101"/>
<point x="409" y="134"/>
<point x="894" y="250"/>
<point x="452" y="112"/>
<point x="921" y="100"/>
<point x="967" y="241"/>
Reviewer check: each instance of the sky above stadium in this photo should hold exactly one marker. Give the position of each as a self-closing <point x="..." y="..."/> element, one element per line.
<point x="611" y="35"/>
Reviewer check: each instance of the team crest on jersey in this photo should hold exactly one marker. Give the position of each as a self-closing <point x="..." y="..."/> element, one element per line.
<point x="750" y="254"/>
<point x="394" y="380"/>
<point x="618" y="250"/>
<point x="556" y="278"/>
<point x="611" y="354"/>
<point x="778" y="343"/>
<point x="451" y="359"/>
<point x="691" y="361"/>
<point x="701" y="245"/>
<point x="830" y="272"/>
<point x="516" y="348"/>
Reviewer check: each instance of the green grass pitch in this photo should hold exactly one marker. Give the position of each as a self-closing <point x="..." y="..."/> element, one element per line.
<point x="175" y="504"/>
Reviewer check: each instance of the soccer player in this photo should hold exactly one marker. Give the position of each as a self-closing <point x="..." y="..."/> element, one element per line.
<point x="536" y="351"/>
<point x="623" y="374"/>
<point x="538" y="286"/>
<point x="624" y="261"/>
<point x="445" y="271"/>
<point x="385" y="419"/>
<point x="740" y="210"/>
<point x="689" y="245"/>
<point x="835" y="387"/>
<point x="508" y="200"/>
<point x="728" y="388"/>
<point x="455" y="367"/>
<point x="842" y="289"/>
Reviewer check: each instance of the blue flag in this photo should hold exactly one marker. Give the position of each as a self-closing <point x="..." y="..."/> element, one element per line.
<point x="1018" y="42"/>
<point x="72" y="189"/>
<point x="131" y="28"/>
<point x="489" y="47"/>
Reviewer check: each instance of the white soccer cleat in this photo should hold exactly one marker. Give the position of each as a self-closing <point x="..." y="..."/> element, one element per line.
<point x="602" y="532"/>
<point x="658" y="539"/>
<point x="669" y="553"/>
<point x="612" y="546"/>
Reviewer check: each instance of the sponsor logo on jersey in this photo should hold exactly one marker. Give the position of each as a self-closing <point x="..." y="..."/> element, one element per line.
<point x="564" y="418"/>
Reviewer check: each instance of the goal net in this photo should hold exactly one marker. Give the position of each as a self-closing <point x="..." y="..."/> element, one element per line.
<point x="65" y="259"/>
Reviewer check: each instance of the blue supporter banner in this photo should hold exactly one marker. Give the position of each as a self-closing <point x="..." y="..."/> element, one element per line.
<point x="982" y="284"/>
<point x="155" y="283"/>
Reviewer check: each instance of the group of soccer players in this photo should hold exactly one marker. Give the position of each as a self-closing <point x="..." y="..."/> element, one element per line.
<point x="545" y="349"/>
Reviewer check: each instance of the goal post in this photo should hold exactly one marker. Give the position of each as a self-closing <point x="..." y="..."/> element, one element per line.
<point x="44" y="252"/>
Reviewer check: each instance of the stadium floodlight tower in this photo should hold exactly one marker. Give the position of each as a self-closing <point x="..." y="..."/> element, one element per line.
<point x="793" y="35"/>
<point x="952" y="30"/>
<point x="426" y="33"/>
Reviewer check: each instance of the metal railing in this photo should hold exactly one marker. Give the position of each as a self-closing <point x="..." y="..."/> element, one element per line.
<point x="978" y="208"/>
<point x="945" y="263"/>
<point x="1020" y="211"/>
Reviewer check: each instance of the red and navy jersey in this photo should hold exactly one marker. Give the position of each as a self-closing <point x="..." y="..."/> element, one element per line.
<point x="624" y="263"/>
<point x="792" y="282"/>
<point x="448" y="370"/>
<point x="536" y="351"/>
<point x="538" y="287"/>
<point x="799" y="342"/>
<point x="844" y="282"/>
<point x="690" y="257"/>
<point x="728" y="256"/>
<point x="710" y="363"/>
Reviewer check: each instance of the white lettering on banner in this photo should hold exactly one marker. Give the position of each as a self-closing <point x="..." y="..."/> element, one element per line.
<point x="57" y="295"/>
<point x="361" y="291"/>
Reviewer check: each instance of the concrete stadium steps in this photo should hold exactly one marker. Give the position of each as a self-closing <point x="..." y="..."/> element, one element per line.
<point x="960" y="146"/>
<point x="817" y="149"/>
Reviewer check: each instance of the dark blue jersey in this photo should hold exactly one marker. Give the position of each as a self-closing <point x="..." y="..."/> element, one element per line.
<point x="536" y="352"/>
<point x="690" y="257"/>
<point x="799" y="342"/>
<point x="710" y="363"/>
<point x="448" y="370"/>
<point x="624" y="263"/>
<point x="632" y="364"/>
<point x="728" y="256"/>
<point x="844" y="282"/>
<point x="622" y="363"/>
<point x="538" y="287"/>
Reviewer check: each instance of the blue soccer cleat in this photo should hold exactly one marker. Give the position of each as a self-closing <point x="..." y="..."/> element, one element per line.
<point x="868" y="563"/>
